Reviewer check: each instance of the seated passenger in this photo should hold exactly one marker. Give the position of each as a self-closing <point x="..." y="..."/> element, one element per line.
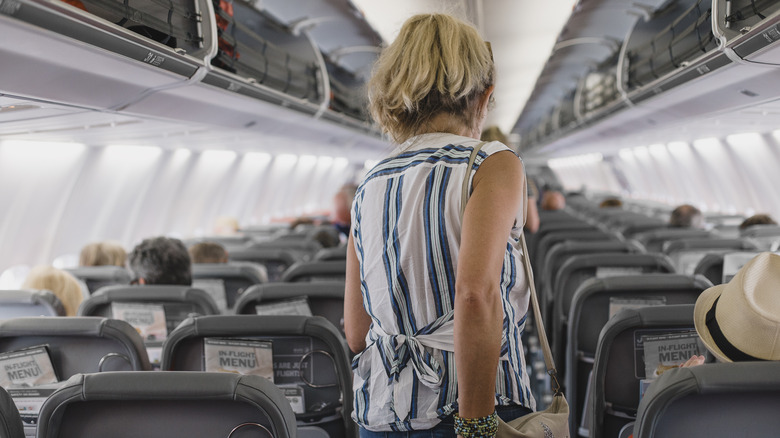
<point x="553" y="200"/>
<point x="757" y="219"/>
<point x="161" y="260"/>
<point x="226" y="226"/>
<point x="493" y="133"/>
<point x="740" y="320"/>
<point x="208" y="252"/>
<point x="686" y="216"/>
<point x="611" y="203"/>
<point x="342" y="205"/>
<point x="103" y="254"/>
<point x="62" y="284"/>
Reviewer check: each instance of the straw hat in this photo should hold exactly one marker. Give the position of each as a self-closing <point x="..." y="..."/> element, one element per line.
<point x="740" y="320"/>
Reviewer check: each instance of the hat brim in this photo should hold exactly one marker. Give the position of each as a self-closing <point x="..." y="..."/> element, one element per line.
<point x="703" y="305"/>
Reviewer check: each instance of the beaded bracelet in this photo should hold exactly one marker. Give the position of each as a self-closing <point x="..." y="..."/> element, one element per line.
<point x="482" y="427"/>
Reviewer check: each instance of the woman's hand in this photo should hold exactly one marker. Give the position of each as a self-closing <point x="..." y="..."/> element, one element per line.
<point x="693" y="361"/>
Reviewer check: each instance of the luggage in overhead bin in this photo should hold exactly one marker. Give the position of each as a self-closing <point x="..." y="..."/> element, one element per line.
<point x="255" y="46"/>
<point x="348" y="94"/>
<point x="175" y="23"/>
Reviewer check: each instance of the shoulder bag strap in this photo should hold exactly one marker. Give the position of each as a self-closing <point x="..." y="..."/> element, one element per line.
<point x="548" y="357"/>
<point x="464" y="197"/>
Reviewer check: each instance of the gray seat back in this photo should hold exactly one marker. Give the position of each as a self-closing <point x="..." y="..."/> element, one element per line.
<point x="617" y="370"/>
<point x="96" y="277"/>
<point x="765" y="236"/>
<point x="325" y="254"/>
<point x="561" y="252"/>
<point x="711" y="267"/>
<point x="165" y="404"/>
<point x="686" y="253"/>
<point x="232" y="278"/>
<point x="578" y="269"/>
<point x="19" y="303"/>
<point x="720" y="400"/>
<point x="565" y="223"/>
<point x="654" y="240"/>
<point x="334" y="270"/>
<point x="11" y="425"/>
<point x="298" y="343"/>
<point x="275" y="260"/>
<point x="551" y="238"/>
<point x="325" y="299"/>
<point x="590" y="310"/>
<point x="78" y="344"/>
<point x="178" y="301"/>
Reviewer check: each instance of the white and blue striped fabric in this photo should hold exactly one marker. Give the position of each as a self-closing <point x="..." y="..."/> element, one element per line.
<point x="406" y="228"/>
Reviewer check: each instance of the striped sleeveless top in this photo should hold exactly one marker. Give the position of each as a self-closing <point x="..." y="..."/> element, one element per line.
<point x="406" y="228"/>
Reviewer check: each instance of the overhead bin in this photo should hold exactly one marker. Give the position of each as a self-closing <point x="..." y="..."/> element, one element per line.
<point x="760" y="19"/>
<point x="713" y="47"/>
<point x="673" y="38"/>
<point x="124" y="29"/>
<point x="257" y="48"/>
<point x="41" y="65"/>
<point x="599" y="88"/>
<point x="348" y="94"/>
<point x="129" y="56"/>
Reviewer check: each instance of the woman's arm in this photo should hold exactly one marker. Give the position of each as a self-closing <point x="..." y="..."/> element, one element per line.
<point x="356" y="320"/>
<point x="490" y="213"/>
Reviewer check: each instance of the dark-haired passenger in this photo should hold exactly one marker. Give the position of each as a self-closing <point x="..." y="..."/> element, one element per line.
<point x="161" y="260"/>
<point x="686" y="216"/>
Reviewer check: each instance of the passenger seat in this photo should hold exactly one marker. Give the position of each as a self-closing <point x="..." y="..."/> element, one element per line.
<point x="720" y="400"/>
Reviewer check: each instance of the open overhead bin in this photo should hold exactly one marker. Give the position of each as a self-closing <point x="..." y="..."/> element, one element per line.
<point x="674" y="58"/>
<point x="128" y="55"/>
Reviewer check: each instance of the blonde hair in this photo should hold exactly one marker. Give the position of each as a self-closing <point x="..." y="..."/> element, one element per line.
<point x="103" y="254"/>
<point x="60" y="283"/>
<point x="226" y="226"/>
<point x="437" y="64"/>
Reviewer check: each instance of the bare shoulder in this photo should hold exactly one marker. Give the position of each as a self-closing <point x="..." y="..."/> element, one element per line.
<point x="504" y="167"/>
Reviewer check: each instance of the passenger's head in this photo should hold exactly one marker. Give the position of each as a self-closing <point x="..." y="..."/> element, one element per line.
<point x="757" y="219"/>
<point x="103" y="254"/>
<point x="208" y="252"/>
<point x="438" y="65"/>
<point x="342" y="203"/>
<point x="59" y="282"/>
<point x="553" y="200"/>
<point x="493" y="133"/>
<point x="610" y="203"/>
<point x="740" y="320"/>
<point x="686" y="216"/>
<point x="161" y="260"/>
<point x="225" y="226"/>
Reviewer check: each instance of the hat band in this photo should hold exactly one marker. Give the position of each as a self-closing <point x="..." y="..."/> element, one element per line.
<point x="725" y="346"/>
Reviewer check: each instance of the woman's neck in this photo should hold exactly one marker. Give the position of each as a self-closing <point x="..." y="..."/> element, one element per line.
<point x="443" y="122"/>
